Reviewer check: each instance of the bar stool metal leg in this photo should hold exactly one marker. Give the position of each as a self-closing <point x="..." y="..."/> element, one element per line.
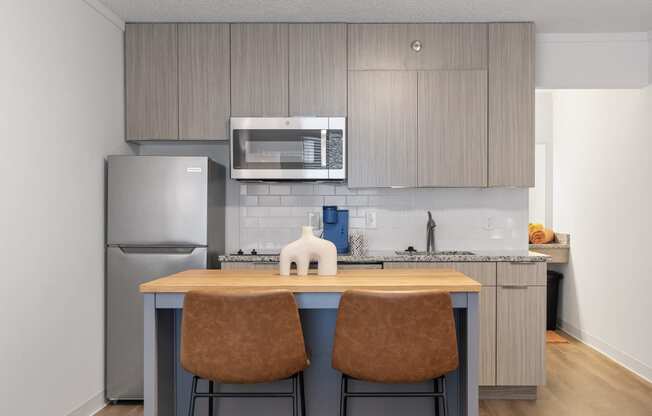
<point x="444" y="395"/>
<point x="295" y="404"/>
<point x="210" y="399"/>
<point x="435" y="386"/>
<point x="193" y="397"/>
<point x="302" y="394"/>
<point x="344" y="391"/>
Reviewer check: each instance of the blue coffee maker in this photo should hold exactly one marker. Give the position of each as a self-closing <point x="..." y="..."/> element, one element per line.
<point x="336" y="227"/>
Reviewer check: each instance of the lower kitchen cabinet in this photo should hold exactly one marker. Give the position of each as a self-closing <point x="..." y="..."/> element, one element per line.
<point x="521" y="332"/>
<point x="485" y="273"/>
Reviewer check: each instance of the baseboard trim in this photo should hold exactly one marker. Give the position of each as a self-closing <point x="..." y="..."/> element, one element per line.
<point x="623" y="359"/>
<point x="91" y="406"/>
<point x="508" y="392"/>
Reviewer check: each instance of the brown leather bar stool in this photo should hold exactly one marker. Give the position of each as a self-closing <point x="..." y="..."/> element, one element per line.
<point x="395" y="337"/>
<point x="243" y="338"/>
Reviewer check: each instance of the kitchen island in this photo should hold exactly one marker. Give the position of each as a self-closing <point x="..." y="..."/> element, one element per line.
<point x="167" y="385"/>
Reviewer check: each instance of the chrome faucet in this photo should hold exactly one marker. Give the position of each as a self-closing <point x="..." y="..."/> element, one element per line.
<point x="430" y="234"/>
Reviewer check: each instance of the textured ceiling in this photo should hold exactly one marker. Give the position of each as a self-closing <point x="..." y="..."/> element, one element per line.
<point x="549" y="15"/>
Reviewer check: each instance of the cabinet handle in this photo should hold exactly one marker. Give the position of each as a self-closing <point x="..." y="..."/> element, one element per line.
<point x="514" y="287"/>
<point x="323" y="148"/>
<point x="524" y="262"/>
<point x="416" y="45"/>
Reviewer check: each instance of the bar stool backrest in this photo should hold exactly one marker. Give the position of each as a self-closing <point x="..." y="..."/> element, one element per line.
<point x="395" y="337"/>
<point x="242" y="337"/>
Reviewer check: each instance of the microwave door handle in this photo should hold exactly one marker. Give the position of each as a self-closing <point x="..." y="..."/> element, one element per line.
<point x="323" y="147"/>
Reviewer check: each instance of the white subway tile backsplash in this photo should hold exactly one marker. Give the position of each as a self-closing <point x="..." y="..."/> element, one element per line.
<point x="302" y="200"/>
<point x="257" y="211"/>
<point x="248" y="201"/>
<point x="303" y="189"/>
<point x="257" y="189"/>
<point x="250" y="222"/>
<point x="467" y="219"/>
<point x="335" y="200"/>
<point x="269" y="200"/>
<point x="303" y="211"/>
<point x="243" y="189"/>
<point x="369" y="191"/>
<point x="344" y="190"/>
<point x="356" y="222"/>
<point x="279" y="189"/>
<point x="357" y="200"/>
<point x="279" y="212"/>
<point x="282" y="222"/>
<point x="325" y="189"/>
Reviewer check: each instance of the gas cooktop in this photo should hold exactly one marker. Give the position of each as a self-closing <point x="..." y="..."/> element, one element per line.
<point x="252" y="253"/>
<point x="411" y="251"/>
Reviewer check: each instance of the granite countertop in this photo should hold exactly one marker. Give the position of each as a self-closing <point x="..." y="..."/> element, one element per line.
<point x="549" y="245"/>
<point x="562" y="240"/>
<point x="382" y="257"/>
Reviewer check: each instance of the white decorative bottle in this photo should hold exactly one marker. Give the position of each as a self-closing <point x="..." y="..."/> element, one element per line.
<point x="306" y="249"/>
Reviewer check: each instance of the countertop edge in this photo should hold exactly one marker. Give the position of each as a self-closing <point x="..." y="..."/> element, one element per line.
<point x="530" y="257"/>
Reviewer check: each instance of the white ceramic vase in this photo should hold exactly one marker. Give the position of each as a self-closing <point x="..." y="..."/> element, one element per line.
<point x="306" y="249"/>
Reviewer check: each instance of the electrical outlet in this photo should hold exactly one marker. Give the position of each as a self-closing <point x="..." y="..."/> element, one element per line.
<point x="370" y="219"/>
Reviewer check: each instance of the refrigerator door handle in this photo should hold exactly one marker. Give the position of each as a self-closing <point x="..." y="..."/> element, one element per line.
<point x="156" y="250"/>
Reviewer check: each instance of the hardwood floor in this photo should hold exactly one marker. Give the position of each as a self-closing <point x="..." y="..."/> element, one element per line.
<point x="581" y="382"/>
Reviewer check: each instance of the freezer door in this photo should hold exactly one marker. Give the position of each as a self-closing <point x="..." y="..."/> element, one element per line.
<point x="157" y="200"/>
<point x="128" y="268"/>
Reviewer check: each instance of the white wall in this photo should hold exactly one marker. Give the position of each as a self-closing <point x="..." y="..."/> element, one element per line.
<point x="602" y="148"/>
<point x="61" y="113"/>
<point x="592" y="60"/>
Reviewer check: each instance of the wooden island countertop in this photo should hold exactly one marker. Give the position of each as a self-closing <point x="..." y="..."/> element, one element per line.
<point x="372" y="279"/>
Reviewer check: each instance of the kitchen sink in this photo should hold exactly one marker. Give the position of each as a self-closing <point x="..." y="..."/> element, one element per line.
<point x="436" y="253"/>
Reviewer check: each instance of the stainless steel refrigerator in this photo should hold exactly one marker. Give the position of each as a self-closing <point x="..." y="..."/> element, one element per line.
<point x="165" y="215"/>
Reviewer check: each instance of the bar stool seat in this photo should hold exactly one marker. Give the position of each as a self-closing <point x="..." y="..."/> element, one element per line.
<point x="395" y="337"/>
<point x="243" y="338"/>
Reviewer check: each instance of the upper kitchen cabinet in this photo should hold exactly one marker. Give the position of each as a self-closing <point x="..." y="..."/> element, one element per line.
<point x="417" y="46"/>
<point x="317" y="69"/>
<point x="259" y="69"/>
<point x="204" y="89"/>
<point x="452" y="129"/>
<point x="382" y="128"/>
<point x="177" y="81"/>
<point x="152" y="84"/>
<point x="511" y="104"/>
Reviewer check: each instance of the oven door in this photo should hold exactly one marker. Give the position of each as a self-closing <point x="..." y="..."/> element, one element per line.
<point x="284" y="148"/>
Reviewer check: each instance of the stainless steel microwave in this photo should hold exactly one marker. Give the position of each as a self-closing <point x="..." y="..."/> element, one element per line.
<point x="284" y="148"/>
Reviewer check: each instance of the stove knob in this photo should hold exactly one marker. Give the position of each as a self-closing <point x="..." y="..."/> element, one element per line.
<point x="254" y="252"/>
<point x="240" y="252"/>
<point x="410" y="249"/>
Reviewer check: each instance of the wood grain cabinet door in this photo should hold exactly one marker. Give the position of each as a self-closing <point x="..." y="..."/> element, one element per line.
<point x="442" y="46"/>
<point x="520" y="334"/>
<point x="452" y="144"/>
<point x="317" y="69"/>
<point x="259" y="69"/>
<point x="204" y="81"/>
<point x="151" y="81"/>
<point x="382" y="127"/>
<point x="511" y="104"/>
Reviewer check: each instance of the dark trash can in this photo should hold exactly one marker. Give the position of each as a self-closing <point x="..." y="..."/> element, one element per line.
<point x="553" y="299"/>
